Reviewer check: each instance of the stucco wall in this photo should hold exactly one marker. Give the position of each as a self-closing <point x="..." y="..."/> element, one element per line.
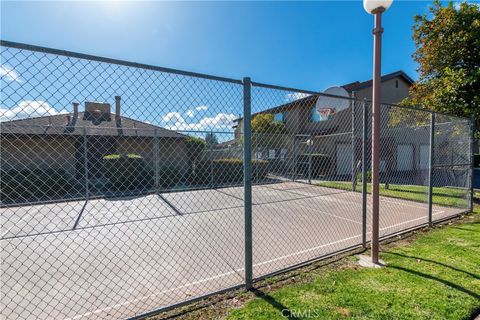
<point x="390" y="93"/>
<point x="35" y="152"/>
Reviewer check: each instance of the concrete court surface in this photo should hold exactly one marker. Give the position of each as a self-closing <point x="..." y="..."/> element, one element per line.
<point x="116" y="258"/>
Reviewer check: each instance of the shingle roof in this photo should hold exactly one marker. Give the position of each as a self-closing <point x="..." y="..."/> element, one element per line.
<point x="353" y="86"/>
<point x="57" y="125"/>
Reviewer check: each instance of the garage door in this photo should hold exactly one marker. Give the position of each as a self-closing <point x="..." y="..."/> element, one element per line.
<point x="424" y="156"/>
<point x="344" y="159"/>
<point x="404" y="157"/>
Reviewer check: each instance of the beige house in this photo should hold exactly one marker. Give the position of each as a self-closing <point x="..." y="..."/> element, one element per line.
<point x="68" y="141"/>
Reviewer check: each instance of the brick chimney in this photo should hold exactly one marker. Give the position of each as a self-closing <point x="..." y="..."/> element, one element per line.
<point x="69" y="120"/>
<point x="117" y="108"/>
<point x="75" y="109"/>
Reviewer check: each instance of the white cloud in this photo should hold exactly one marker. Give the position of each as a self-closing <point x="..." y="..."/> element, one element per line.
<point x="191" y="113"/>
<point x="175" y="121"/>
<point x="28" y="109"/>
<point x="201" y="108"/>
<point x="9" y="74"/>
<point x="296" y="96"/>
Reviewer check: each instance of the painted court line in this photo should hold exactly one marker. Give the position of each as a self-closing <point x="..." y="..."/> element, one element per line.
<point x="405" y="222"/>
<point x="153" y="295"/>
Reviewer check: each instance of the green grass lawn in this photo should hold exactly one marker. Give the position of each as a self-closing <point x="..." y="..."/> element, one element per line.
<point x="437" y="276"/>
<point x="445" y="196"/>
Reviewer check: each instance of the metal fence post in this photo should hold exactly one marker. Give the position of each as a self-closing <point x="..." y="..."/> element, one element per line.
<point x="309" y="144"/>
<point x="430" y="167"/>
<point x="354" y="178"/>
<point x="294" y="157"/>
<point x="247" y="182"/>
<point x="156" y="156"/>
<point x="472" y="160"/>
<point x="364" y="175"/>
<point x="85" y="160"/>
<point x="210" y="158"/>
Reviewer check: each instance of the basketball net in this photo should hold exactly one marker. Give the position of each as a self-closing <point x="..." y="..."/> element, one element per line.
<point x="326" y="112"/>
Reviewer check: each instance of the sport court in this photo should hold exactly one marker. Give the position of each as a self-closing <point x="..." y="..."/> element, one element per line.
<point x="114" y="258"/>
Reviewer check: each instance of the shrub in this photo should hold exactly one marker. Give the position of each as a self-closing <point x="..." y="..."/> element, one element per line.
<point x="476" y="160"/>
<point x="168" y="177"/>
<point x="321" y="164"/>
<point x="260" y="169"/>
<point x="369" y="177"/>
<point x="34" y="185"/>
<point x="127" y="172"/>
<point x="227" y="171"/>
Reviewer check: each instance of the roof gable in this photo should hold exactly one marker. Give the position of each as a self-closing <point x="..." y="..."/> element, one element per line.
<point x="355" y="86"/>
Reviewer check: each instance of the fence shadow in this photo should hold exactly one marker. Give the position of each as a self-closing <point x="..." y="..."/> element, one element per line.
<point x="274" y="303"/>
<point x="437" y="263"/>
<point x="443" y="281"/>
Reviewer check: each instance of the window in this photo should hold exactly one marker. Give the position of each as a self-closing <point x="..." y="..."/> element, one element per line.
<point x="396" y="83"/>
<point x="271" y="154"/>
<point x="278" y="117"/>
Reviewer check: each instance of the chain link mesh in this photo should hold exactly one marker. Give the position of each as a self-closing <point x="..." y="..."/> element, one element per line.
<point x="122" y="185"/>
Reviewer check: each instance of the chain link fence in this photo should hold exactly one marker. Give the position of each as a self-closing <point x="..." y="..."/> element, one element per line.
<point x="124" y="189"/>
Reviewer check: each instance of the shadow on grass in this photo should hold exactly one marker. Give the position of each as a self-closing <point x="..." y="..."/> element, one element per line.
<point x="464" y="229"/>
<point x="473" y="275"/>
<point x="274" y="303"/>
<point x="443" y="281"/>
<point x="475" y="313"/>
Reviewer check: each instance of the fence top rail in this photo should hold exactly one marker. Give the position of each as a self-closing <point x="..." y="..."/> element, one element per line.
<point x="23" y="46"/>
<point x="66" y="53"/>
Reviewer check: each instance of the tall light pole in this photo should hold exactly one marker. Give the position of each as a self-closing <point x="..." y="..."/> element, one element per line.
<point x="376" y="7"/>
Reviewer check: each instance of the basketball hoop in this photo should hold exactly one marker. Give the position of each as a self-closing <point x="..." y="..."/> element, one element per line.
<point x="334" y="101"/>
<point x="325" y="113"/>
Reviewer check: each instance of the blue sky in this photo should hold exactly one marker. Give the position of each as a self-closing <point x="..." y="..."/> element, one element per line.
<point x="311" y="45"/>
<point x="308" y="45"/>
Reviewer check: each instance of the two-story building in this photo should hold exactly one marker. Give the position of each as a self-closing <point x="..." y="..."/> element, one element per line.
<point x="404" y="135"/>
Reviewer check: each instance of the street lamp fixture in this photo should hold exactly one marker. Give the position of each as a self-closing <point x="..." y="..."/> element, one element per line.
<point x="376" y="7"/>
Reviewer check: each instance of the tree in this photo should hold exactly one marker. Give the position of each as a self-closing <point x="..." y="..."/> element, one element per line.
<point x="267" y="133"/>
<point x="195" y="148"/>
<point x="448" y="55"/>
<point x="211" y="139"/>
<point x="264" y="123"/>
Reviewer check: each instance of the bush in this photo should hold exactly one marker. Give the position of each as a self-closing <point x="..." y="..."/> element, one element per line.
<point x="168" y="177"/>
<point x="34" y="185"/>
<point x="476" y="160"/>
<point x="321" y="164"/>
<point x="227" y="171"/>
<point x="369" y="177"/>
<point x="127" y="172"/>
<point x="260" y="169"/>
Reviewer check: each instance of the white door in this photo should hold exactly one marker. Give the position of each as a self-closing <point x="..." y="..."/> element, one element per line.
<point x="424" y="157"/>
<point x="344" y="159"/>
<point x="404" y="157"/>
